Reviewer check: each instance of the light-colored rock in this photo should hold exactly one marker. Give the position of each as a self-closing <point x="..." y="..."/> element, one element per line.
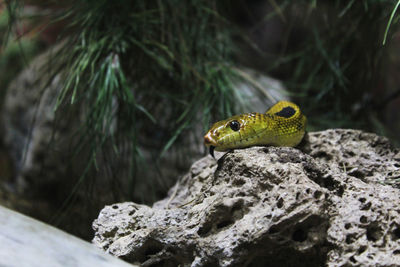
<point x="365" y="156"/>
<point x="28" y="121"/>
<point x="25" y="242"/>
<point x="267" y="206"/>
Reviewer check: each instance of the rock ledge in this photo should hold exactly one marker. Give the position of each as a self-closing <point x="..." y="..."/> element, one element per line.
<point x="329" y="202"/>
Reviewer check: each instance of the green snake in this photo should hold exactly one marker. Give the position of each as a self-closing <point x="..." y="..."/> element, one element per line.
<point x="281" y="125"/>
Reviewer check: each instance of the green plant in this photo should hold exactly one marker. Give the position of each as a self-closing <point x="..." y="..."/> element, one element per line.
<point x="134" y="66"/>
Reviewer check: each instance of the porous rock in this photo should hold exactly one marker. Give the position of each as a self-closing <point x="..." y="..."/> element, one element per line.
<point x="326" y="203"/>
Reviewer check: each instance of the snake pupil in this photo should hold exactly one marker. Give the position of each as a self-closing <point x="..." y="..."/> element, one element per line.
<point x="235" y="125"/>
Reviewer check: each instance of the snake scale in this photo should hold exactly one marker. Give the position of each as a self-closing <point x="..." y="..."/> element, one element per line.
<point x="281" y="125"/>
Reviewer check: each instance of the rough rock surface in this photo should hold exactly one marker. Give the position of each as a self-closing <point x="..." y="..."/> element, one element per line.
<point x="325" y="204"/>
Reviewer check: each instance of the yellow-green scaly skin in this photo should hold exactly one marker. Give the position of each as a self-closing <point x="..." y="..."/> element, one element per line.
<point x="282" y="125"/>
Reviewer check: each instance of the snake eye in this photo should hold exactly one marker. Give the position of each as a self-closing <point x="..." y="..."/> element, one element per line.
<point x="235" y="125"/>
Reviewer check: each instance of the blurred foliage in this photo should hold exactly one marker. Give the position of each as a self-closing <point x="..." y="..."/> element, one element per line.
<point x="131" y="50"/>
<point x="330" y="56"/>
<point x="139" y="73"/>
<point x="17" y="47"/>
<point x="144" y="67"/>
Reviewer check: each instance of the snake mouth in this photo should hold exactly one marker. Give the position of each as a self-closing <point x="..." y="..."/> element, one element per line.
<point x="212" y="151"/>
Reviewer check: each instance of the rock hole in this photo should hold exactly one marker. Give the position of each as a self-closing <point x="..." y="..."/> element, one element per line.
<point x="241" y="194"/>
<point x="396" y="252"/>
<point x="329" y="183"/>
<point x="204" y="230"/>
<point x="363" y="219"/>
<point x="397" y="165"/>
<point x="366" y="206"/>
<point x="383" y="152"/>
<point x="238" y="182"/>
<point x="308" y="190"/>
<point x="131" y="212"/>
<point x="396" y="233"/>
<point x="266" y="150"/>
<point x="265" y="186"/>
<point x="357" y="174"/>
<point x="365" y="156"/>
<point x="224" y="224"/>
<point x="373" y="233"/>
<point x="237" y="209"/>
<point x="361" y="250"/>
<point x="317" y="194"/>
<point x="347" y="226"/>
<point x="115" y="207"/>
<point x="352" y="259"/>
<point x="279" y="204"/>
<point x="340" y="191"/>
<point x="350" y="238"/>
<point x="299" y="235"/>
<point x="322" y="155"/>
<point x="297" y="195"/>
<point x="362" y="199"/>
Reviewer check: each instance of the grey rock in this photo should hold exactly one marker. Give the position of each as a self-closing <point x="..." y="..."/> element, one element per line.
<point x="38" y="141"/>
<point x="29" y="243"/>
<point x="365" y="156"/>
<point x="324" y="204"/>
<point x="27" y="120"/>
<point x="42" y="145"/>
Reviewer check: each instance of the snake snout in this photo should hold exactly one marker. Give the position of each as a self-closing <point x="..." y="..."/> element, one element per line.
<point x="209" y="140"/>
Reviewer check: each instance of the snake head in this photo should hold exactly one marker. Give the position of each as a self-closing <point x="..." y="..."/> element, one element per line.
<point x="282" y="125"/>
<point x="223" y="135"/>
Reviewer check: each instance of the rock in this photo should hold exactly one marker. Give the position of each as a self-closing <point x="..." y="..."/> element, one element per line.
<point x="28" y="120"/>
<point x="365" y="156"/>
<point x="29" y="243"/>
<point x="40" y="146"/>
<point x="325" y="204"/>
